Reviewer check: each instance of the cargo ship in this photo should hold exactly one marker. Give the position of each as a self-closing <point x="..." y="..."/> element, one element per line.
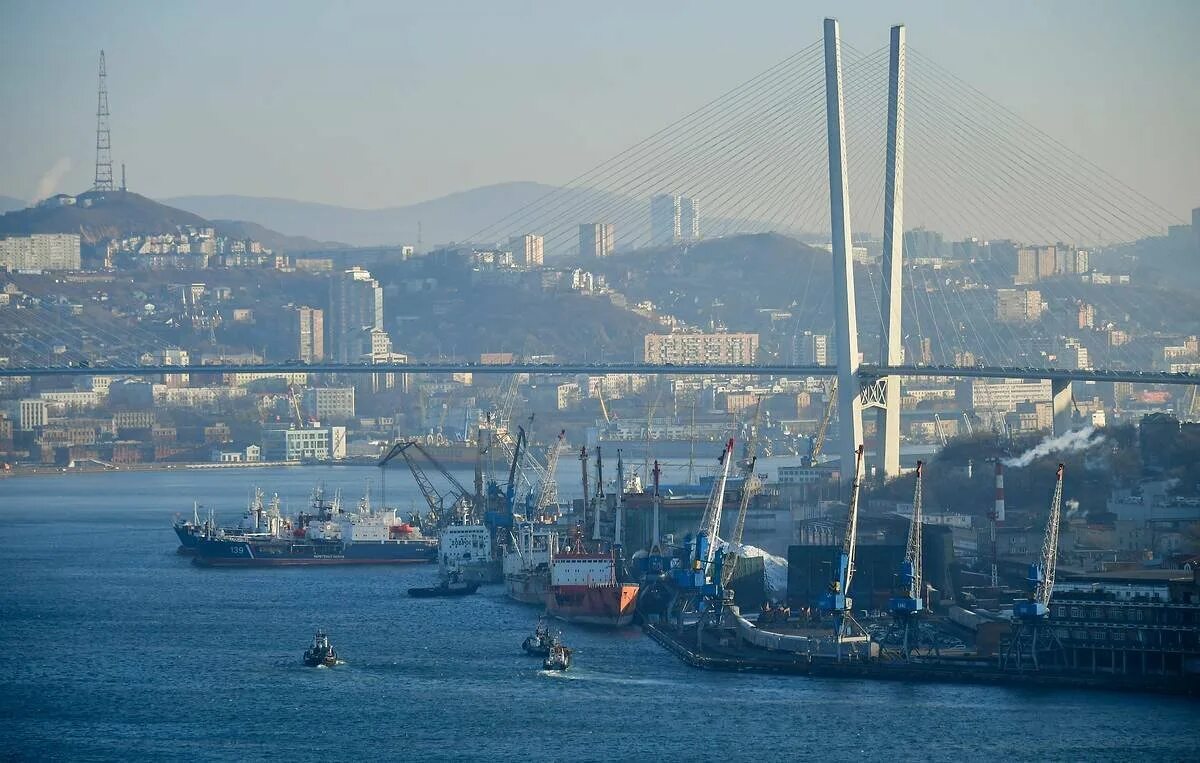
<point x="526" y="562"/>
<point x="590" y="587"/>
<point x="330" y="538"/>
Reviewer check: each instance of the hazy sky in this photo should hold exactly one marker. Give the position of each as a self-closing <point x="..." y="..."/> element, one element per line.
<point x="374" y="104"/>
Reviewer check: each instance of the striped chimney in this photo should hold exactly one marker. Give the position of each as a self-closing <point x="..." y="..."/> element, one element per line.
<point x="999" y="510"/>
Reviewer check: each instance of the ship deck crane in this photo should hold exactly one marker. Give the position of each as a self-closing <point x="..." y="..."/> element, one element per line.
<point x="836" y="601"/>
<point x="908" y="604"/>
<point x="1033" y="638"/>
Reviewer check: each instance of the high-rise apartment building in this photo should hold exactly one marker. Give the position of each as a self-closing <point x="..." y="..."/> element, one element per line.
<point x="596" y="239"/>
<point x="692" y="348"/>
<point x="356" y="310"/>
<point x="927" y="351"/>
<point x="689" y="218"/>
<point x="528" y="250"/>
<point x="1037" y="262"/>
<point x="311" y="332"/>
<point x="1027" y="267"/>
<point x="1087" y="316"/>
<point x="814" y="348"/>
<point x="41" y="251"/>
<point x="1019" y="305"/>
<point x="665" y="223"/>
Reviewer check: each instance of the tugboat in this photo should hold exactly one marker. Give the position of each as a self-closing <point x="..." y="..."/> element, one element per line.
<point x="321" y="652"/>
<point x="542" y="640"/>
<point x="452" y="586"/>
<point x="558" y="659"/>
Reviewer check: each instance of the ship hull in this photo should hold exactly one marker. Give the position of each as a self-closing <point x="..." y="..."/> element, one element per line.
<point x="187" y="540"/>
<point x="609" y="606"/>
<point x="236" y="553"/>
<point x="527" y="587"/>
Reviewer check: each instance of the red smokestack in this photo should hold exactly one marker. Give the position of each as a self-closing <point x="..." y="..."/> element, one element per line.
<point x="999" y="510"/>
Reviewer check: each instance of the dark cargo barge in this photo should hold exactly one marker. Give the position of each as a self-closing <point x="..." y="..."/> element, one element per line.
<point x="717" y="653"/>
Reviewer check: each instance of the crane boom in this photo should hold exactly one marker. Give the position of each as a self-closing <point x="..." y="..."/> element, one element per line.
<point x="850" y="542"/>
<point x="819" y="441"/>
<point x="710" y="525"/>
<point x="837" y="600"/>
<point x="547" y="493"/>
<point x="435" y="499"/>
<point x="750" y="486"/>
<point x="1041" y="572"/>
<point x="1050" y="543"/>
<point x="912" y="556"/>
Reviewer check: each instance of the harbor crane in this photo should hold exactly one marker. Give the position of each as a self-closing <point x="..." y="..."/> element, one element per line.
<point x="699" y="580"/>
<point x="750" y="486"/>
<point x="459" y="496"/>
<point x="1032" y="634"/>
<point x="710" y="524"/>
<point x="546" y="496"/>
<point x="836" y="601"/>
<point x="817" y="444"/>
<point x="907" y="606"/>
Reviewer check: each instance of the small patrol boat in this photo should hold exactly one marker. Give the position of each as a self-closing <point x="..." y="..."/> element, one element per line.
<point x="452" y="586"/>
<point x="321" y="652"/>
<point x="541" y="641"/>
<point x="558" y="659"/>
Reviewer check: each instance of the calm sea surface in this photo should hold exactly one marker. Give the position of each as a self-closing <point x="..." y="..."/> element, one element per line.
<point x="115" y="647"/>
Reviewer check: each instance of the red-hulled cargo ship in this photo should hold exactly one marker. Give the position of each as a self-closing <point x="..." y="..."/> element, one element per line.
<point x="589" y="587"/>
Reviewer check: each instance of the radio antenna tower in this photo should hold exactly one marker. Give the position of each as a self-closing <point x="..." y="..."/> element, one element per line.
<point x="104" y="176"/>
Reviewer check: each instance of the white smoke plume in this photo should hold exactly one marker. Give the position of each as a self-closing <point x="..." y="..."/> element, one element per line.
<point x="49" y="182"/>
<point x="1080" y="439"/>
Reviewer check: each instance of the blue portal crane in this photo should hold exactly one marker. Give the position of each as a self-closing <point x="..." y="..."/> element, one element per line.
<point x="836" y="601"/>
<point x="909" y="604"/>
<point x="1033" y="637"/>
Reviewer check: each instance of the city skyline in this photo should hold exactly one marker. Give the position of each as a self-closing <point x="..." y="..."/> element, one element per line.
<point x="1085" y="93"/>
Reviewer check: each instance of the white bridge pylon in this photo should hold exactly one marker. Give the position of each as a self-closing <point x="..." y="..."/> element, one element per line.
<point x="881" y="393"/>
<point x="867" y="392"/>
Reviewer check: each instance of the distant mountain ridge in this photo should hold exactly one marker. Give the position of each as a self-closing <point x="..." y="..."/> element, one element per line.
<point x="454" y="217"/>
<point x="490" y="212"/>
<point x="10" y="204"/>
<point x="98" y="216"/>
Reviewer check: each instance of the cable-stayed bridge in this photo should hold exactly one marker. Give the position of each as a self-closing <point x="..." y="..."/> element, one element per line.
<point x="850" y="151"/>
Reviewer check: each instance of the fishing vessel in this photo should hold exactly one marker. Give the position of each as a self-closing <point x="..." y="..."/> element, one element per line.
<point x="541" y="641"/>
<point x="321" y="652"/>
<point x="331" y="537"/>
<point x="454" y="585"/>
<point x="261" y="520"/>
<point x="526" y="562"/>
<point x="559" y="658"/>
